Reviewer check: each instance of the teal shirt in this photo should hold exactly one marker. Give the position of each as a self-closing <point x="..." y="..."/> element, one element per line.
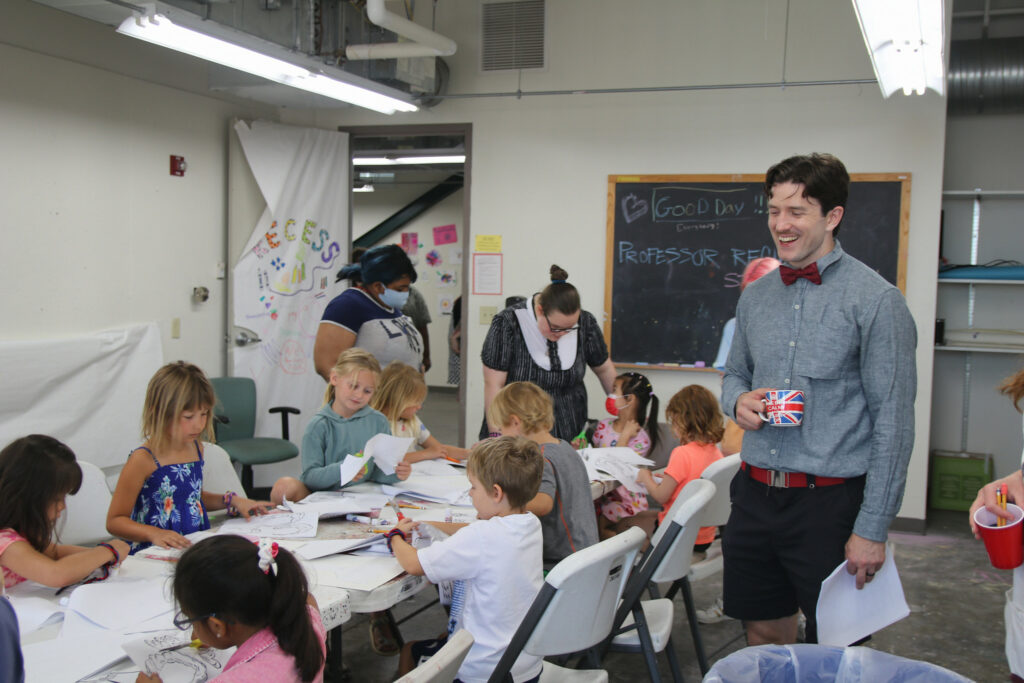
<point x="330" y="437"/>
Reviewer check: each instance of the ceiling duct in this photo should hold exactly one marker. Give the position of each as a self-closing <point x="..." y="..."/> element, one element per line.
<point x="421" y="42"/>
<point x="986" y="76"/>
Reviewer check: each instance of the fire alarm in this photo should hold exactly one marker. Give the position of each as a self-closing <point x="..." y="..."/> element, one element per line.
<point x="178" y="165"/>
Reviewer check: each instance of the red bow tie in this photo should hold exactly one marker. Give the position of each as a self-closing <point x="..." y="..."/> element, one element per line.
<point x="791" y="275"/>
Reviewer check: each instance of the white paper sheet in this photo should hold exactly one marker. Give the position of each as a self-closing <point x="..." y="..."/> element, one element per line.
<point x="350" y="467"/>
<point x="338" y="503"/>
<point x="436" y="468"/>
<point x="356" y="572"/>
<point x="277" y="524"/>
<point x="617" y="453"/>
<point x="155" y="552"/>
<point x="316" y="549"/>
<point x="845" y="614"/>
<point x="183" y="665"/>
<point x="34" y="605"/>
<point x="70" y="659"/>
<point x="387" y="451"/>
<point x="116" y="604"/>
<point x="449" y="490"/>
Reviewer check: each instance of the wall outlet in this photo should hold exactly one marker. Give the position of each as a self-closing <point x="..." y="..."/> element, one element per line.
<point x="175" y="328"/>
<point x="486" y="313"/>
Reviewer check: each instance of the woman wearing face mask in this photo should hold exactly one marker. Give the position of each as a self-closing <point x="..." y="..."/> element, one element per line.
<point x="369" y="315"/>
<point x="550" y="341"/>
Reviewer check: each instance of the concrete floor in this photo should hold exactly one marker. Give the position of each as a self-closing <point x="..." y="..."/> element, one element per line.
<point x="955" y="596"/>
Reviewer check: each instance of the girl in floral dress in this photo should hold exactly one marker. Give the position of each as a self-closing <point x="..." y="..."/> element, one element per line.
<point x="634" y="425"/>
<point x="159" y="497"/>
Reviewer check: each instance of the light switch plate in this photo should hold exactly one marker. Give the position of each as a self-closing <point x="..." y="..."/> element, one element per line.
<point x="486" y="313"/>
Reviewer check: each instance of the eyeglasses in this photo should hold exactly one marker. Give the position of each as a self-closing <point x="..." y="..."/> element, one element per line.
<point x="184" y="623"/>
<point x="560" y="330"/>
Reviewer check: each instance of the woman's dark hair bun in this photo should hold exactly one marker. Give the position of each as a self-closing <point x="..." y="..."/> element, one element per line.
<point x="558" y="274"/>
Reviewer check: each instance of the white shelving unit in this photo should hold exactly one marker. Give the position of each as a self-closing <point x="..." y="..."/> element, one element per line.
<point x="973" y="284"/>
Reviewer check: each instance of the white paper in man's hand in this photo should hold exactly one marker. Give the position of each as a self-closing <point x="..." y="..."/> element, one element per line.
<point x="845" y="614"/>
<point x="387" y="451"/>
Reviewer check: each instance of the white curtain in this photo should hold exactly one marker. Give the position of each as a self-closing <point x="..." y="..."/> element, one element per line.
<point x="86" y="390"/>
<point x="285" y="276"/>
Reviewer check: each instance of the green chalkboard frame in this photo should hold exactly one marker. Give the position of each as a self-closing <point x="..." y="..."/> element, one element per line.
<point x="902" y="179"/>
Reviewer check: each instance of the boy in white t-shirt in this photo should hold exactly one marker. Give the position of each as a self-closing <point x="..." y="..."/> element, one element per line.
<point x="495" y="562"/>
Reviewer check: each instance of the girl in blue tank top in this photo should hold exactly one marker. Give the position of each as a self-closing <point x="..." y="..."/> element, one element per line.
<point x="159" y="496"/>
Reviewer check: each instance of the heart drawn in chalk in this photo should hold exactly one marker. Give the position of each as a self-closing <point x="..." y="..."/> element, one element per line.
<point x="633" y="208"/>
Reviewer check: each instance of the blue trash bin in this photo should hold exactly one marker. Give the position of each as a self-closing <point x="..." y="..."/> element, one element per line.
<point x="824" y="664"/>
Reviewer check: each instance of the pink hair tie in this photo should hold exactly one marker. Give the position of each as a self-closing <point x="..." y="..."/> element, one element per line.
<point x="267" y="552"/>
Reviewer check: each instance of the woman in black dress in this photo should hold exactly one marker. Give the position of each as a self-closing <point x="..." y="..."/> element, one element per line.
<point x="549" y="341"/>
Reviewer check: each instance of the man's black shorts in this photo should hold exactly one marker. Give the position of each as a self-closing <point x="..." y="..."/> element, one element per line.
<point x="780" y="544"/>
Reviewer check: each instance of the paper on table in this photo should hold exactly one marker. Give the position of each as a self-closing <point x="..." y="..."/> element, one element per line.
<point x="387" y="451"/>
<point x="277" y="524"/>
<point x="155" y="552"/>
<point x="356" y="572"/>
<point x="845" y="614"/>
<point x="183" y="665"/>
<point x="70" y="659"/>
<point x="337" y="503"/>
<point x="34" y="605"/>
<point x="316" y="549"/>
<point x="115" y="604"/>
<point x="442" y="489"/>
<point x="436" y="468"/>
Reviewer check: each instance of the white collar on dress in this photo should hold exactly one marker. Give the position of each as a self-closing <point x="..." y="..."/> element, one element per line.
<point x="537" y="345"/>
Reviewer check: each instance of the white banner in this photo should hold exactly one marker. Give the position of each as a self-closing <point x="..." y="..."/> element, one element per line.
<point x="285" y="276"/>
<point x="86" y="391"/>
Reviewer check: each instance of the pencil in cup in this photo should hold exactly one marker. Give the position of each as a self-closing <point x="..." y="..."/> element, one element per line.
<point x="1001" y="496"/>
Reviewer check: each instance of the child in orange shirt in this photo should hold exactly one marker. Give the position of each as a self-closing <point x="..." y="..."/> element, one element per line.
<point x="698" y="424"/>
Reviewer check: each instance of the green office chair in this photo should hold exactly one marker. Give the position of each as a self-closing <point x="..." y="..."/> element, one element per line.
<point x="235" y="424"/>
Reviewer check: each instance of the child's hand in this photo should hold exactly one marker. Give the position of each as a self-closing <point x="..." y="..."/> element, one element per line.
<point x="148" y="678"/>
<point x="645" y="478"/>
<point x="403" y="470"/>
<point x="249" y="508"/>
<point x="165" y="538"/>
<point x="407" y="525"/>
<point x="579" y="442"/>
<point x="360" y="474"/>
<point x="631" y="429"/>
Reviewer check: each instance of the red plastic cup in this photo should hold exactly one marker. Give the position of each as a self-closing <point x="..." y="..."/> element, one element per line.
<point x="1005" y="544"/>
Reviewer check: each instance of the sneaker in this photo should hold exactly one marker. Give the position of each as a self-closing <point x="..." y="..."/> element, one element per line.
<point x="713" y="614"/>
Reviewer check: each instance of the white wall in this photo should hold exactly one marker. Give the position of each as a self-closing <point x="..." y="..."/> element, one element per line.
<point x="539" y="165"/>
<point x="976" y="157"/>
<point x="370" y="208"/>
<point x="97" y="233"/>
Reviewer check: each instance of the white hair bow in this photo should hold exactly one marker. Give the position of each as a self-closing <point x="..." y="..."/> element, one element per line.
<point x="267" y="551"/>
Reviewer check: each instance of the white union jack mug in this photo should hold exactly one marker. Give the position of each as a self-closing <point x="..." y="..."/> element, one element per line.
<point x="783" y="408"/>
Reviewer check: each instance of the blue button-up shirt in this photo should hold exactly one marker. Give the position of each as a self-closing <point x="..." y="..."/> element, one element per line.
<point x="849" y="345"/>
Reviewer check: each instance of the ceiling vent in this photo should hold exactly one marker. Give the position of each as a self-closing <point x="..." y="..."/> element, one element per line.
<point x="513" y="35"/>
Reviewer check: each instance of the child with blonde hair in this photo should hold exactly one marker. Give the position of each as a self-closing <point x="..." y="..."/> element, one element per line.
<point x="159" y="496"/>
<point x="400" y="396"/>
<point x="342" y="427"/>
<point x="494" y="563"/>
<point x="37" y="473"/>
<point x="698" y="424"/>
<point x="564" y="503"/>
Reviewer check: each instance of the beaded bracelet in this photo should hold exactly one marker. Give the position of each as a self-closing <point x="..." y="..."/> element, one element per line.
<point x="228" y="497"/>
<point x="113" y="551"/>
<point x="493" y="435"/>
<point x="390" y="536"/>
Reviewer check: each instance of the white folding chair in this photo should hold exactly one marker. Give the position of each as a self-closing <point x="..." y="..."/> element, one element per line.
<point x="444" y="665"/>
<point x="84" y="521"/>
<point x="646" y="625"/>
<point x="716" y="513"/>
<point x="574" y="609"/>
<point x="219" y="473"/>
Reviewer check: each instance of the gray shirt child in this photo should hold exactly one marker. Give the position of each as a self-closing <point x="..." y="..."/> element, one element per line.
<point x="572" y="523"/>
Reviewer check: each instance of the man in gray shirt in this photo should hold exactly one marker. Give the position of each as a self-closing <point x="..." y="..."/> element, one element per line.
<point x="811" y="495"/>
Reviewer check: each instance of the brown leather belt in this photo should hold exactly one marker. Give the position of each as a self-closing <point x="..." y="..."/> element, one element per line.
<point x="788" y="480"/>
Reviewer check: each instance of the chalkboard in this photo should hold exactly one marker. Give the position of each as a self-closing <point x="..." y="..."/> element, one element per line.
<point x="677" y="246"/>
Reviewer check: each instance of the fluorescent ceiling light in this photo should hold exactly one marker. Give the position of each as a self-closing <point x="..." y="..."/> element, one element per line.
<point x="160" y="30"/>
<point x="363" y="188"/>
<point x="409" y="160"/>
<point x="906" y="41"/>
